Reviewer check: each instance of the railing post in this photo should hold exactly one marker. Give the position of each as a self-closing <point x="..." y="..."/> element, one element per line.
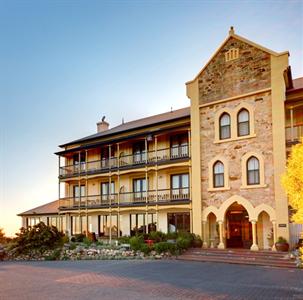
<point x="292" y="124"/>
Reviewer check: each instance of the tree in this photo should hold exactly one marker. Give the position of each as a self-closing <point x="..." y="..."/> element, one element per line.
<point x="293" y="181"/>
<point x="2" y="236"/>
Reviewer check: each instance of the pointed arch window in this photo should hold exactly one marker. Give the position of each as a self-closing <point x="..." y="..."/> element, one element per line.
<point x="218" y="173"/>
<point x="243" y="122"/>
<point x="253" y="171"/>
<point x="224" y="126"/>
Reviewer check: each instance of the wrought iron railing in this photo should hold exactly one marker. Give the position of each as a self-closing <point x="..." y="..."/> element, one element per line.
<point x="127" y="198"/>
<point x="294" y="134"/>
<point x="126" y="161"/>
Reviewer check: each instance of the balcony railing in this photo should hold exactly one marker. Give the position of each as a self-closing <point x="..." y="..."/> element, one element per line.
<point x="125" y="161"/>
<point x="294" y="134"/>
<point x="130" y="198"/>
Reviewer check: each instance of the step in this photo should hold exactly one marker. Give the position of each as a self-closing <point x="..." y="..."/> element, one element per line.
<point x="231" y="260"/>
<point x="237" y="254"/>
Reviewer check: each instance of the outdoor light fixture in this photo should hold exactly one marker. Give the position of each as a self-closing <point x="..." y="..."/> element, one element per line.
<point x="149" y="138"/>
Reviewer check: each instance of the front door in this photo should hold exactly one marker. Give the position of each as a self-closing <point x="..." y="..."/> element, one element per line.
<point x="238" y="228"/>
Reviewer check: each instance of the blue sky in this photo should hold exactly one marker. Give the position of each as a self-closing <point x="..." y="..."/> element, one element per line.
<point x="65" y="64"/>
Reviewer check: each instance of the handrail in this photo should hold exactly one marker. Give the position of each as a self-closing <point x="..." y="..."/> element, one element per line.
<point x="151" y="196"/>
<point x="124" y="161"/>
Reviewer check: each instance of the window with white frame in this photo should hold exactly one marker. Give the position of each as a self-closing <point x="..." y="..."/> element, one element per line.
<point x="218" y="174"/>
<point x="243" y="122"/>
<point x="224" y="122"/>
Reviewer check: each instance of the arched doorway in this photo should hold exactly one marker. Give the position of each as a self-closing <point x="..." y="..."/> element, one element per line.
<point x="238" y="227"/>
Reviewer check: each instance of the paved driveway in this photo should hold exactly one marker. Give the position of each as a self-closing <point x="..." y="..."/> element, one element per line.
<point x="146" y="280"/>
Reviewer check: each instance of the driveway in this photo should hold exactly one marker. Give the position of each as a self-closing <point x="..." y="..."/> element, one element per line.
<point x="166" y="279"/>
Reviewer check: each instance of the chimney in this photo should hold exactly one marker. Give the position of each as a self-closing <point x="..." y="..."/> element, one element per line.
<point x="103" y="125"/>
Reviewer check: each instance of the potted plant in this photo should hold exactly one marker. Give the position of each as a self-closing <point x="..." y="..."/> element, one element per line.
<point x="281" y="244"/>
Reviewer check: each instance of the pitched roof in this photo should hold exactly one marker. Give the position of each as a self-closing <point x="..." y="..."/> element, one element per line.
<point x="240" y="38"/>
<point x="298" y="83"/>
<point x="46" y="209"/>
<point x="136" y="124"/>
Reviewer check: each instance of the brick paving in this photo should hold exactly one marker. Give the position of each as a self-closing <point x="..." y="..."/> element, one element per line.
<point x="146" y="280"/>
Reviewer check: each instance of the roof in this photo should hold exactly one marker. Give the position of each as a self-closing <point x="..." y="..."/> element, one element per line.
<point x="240" y="38"/>
<point x="298" y="83"/>
<point x="46" y="209"/>
<point x="136" y="124"/>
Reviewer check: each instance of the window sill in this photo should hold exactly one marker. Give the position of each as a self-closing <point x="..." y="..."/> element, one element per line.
<point x="219" y="189"/>
<point x="257" y="186"/>
<point x="238" y="138"/>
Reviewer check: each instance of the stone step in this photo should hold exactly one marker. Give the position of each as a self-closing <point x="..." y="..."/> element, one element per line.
<point x="255" y="254"/>
<point x="252" y="254"/>
<point x="235" y="260"/>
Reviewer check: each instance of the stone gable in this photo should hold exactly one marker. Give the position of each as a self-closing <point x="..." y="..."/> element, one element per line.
<point x="224" y="78"/>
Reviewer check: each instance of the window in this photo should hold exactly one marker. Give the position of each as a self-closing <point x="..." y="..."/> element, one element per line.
<point x="138" y="223"/>
<point x="78" y="191"/>
<point x="218" y="173"/>
<point x="77" y="162"/>
<point x="139" y="188"/>
<point x="253" y="171"/>
<point x="224" y="126"/>
<point x="106" y="191"/>
<point x="179" y="146"/>
<point x="139" y="153"/>
<point x="180" y="186"/>
<point x="243" y="122"/>
<point x="107" y="223"/>
<point x="178" y="222"/>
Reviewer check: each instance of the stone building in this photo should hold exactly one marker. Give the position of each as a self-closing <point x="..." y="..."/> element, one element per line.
<point x="213" y="168"/>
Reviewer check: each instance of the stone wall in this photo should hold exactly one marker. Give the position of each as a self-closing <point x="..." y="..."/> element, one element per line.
<point x="234" y="150"/>
<point x="248" y="73"/>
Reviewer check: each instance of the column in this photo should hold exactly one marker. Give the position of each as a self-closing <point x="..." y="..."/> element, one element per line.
<point x="254" y="246"/>
<point x="292" y="124"/>
<point x="221" y="244"/>
<point x="275" y="235"/>
<point x="204" y="223"/>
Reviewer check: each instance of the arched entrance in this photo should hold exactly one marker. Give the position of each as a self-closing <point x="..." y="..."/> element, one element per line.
<point x="238" y="227"/>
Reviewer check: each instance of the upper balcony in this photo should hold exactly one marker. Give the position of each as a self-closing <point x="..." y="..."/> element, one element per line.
<point x="123" y="162"/>
<point x="294" y="123"/>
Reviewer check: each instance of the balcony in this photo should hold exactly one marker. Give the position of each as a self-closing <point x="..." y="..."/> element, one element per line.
<point x="293" y="134"/>
<point x="142" y="159"/>
<point x="152" y="197"/>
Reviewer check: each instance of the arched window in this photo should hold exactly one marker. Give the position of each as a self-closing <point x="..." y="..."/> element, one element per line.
<point x="224" y="126"/>
<point x="243" y="122"/>
<point x="253" y="171"/>
<point x="218" y="171"/>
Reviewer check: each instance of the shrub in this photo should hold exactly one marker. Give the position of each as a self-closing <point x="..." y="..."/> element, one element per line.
<point x="65" y="239"/>
<point x="145" y="249"/>
<point x="157" y="236"/>
<point x="78" y="238"/>
<point x="281" y="240"/>
<point x="54" y="256"/>
<point x="171" y="235"/>
<point x="87" y="241"/>
<point x="162" y="247"/>
<point x="38" y="238"/>
<point x="136" y="242"/>
<point x="124" y="240"/>
<point x="183" y="243"/>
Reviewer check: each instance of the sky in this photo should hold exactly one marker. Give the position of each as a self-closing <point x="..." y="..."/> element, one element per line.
<point x="65" y="64"/>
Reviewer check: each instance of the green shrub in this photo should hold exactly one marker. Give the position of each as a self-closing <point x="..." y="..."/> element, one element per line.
<point x="145" y="249"/>
<point x="171" y="235"/>
<point x="281" y="240"/>
<point x="38" y="239"/>
<point x="136" y="242"/>
<point x="183" y="243"/>
<point x="162" y="247"/>
<point x="87" y="241"/>
<point x="65" y="239"/>
<point x="124" y="240"/>
<point x="79" y="237"/>
<point x="72" y="246"/>
<point x="157" y="236"/>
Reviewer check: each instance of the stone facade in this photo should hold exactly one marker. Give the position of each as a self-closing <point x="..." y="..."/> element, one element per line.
<point x="234" y="150"/>
<point x="250" y="72"/>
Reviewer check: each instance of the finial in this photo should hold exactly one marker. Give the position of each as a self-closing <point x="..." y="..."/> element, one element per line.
<point x="171" y="109"/>
<point x="103" y="118"/>
<point x="231" y="30"/>
<point x="122" y="120"/>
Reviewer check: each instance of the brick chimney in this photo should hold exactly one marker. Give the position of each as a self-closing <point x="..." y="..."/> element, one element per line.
<point x="103" y="125"/>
